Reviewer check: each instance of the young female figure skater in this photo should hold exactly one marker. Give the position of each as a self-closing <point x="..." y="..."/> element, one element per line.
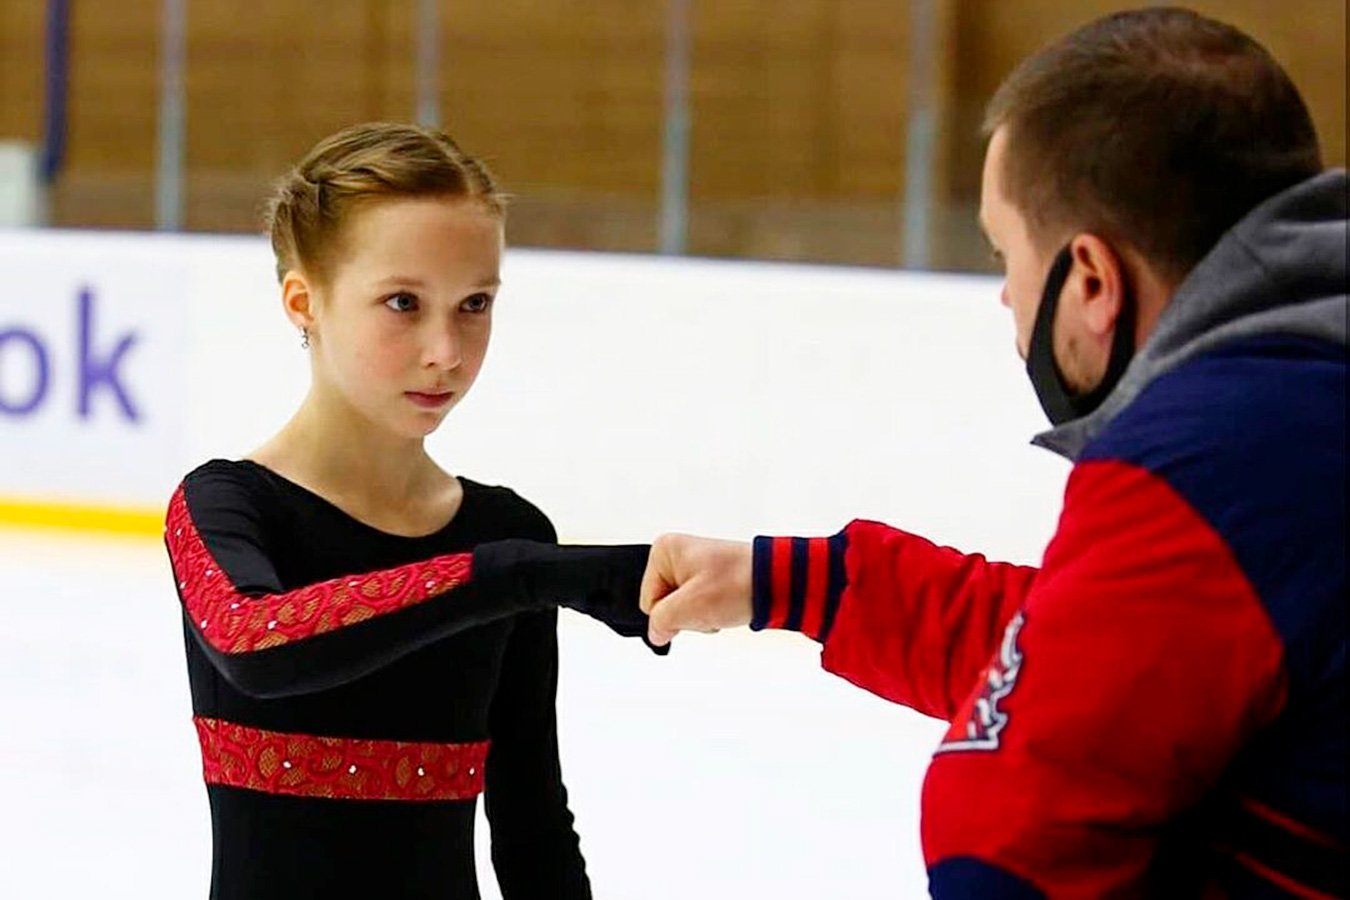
<point x="370" y="642"/>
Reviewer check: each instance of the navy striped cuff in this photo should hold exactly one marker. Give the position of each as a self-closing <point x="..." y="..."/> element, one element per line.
<point x="797" y="583"/>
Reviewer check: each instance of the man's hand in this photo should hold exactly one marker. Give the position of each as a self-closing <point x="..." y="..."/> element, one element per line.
<point x="695" y="584"/>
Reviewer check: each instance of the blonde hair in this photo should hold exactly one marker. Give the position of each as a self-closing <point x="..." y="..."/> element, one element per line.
<point x="312" y="202"/>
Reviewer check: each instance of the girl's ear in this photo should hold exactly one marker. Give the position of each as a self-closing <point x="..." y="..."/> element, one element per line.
<point x="298" y="300"/>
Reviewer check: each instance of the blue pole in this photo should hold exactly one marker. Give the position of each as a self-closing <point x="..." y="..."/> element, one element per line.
<point x="57" y="38"/>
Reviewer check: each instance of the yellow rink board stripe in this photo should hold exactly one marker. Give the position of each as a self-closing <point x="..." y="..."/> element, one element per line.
<point x="81" y="517"/>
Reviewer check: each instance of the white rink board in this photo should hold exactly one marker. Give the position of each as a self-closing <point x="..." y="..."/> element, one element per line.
<point x="624" y="394"/>
<point x="93" y="343"/>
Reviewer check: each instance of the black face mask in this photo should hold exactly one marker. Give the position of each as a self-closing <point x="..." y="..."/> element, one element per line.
<point x="1058" y="401"/>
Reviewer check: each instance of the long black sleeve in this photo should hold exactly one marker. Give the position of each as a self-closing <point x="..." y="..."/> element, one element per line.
<point x="271" y="640"/>
<point x="535" y="849"/>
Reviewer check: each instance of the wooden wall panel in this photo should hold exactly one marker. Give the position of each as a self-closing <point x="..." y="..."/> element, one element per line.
<point x="266" y="81"/>
<point x="798" y="136"/>
<point x="799" y="108"/>
<point x="21" y="70"/>
<point x="564" y="100"/>
<point x="107" y="177"/>
<point x="1306" y="36"/>
<point x="803" y="100"/>
<point x="561" y="97"/>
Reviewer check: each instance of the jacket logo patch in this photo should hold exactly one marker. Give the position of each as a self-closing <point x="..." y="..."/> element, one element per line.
<point x="986" y="720"/>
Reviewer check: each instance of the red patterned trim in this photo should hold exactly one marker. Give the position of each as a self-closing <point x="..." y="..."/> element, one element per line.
<point x="337" y="768"/>
<point x="236" y="623"/>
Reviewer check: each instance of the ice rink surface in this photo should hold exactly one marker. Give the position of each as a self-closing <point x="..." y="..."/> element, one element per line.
<point x="735" y="768"/>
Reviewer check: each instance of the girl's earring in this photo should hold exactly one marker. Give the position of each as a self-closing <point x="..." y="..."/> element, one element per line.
<point x="304" y="338"/>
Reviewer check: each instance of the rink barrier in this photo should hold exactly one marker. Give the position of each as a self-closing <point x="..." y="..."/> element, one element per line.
<point x="79" y="517"/>
<point x="814" y="394"/>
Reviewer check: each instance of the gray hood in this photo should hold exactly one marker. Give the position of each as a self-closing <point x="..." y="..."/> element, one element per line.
<point x="1281" y="270"/>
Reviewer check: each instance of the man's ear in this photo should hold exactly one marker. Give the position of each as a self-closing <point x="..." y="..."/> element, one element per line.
<point x="298" y="300"/>
<point x="1097" y="285"/>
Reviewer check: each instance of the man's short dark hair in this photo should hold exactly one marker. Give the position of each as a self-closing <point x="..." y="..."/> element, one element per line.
<point x="1158" y="127"/>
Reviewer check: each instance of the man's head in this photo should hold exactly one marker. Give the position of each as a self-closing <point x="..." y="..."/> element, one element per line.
<point x="1135" y="141"/>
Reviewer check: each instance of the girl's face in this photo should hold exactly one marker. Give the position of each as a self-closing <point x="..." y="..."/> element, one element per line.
<point x="401" y="327"/>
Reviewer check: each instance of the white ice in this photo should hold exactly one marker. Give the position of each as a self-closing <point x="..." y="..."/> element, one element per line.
<point x="735" y="768"/>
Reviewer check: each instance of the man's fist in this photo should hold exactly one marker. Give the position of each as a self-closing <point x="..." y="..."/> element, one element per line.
<point x="695" y="584"/>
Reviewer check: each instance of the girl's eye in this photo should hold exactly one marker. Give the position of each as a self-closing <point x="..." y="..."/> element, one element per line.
<point x="478" y="303"/>
<point x="402" y="302"/>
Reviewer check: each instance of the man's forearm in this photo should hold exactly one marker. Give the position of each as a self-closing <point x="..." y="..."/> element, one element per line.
<point x="898" y="615"/>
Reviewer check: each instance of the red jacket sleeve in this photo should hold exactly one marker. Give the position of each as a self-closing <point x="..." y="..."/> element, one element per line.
<point x="898" y="615"/>
<point x="1091" y="703"/>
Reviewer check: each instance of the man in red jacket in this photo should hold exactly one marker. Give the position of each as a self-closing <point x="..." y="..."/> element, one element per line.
<point x="1158" y="710"/>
